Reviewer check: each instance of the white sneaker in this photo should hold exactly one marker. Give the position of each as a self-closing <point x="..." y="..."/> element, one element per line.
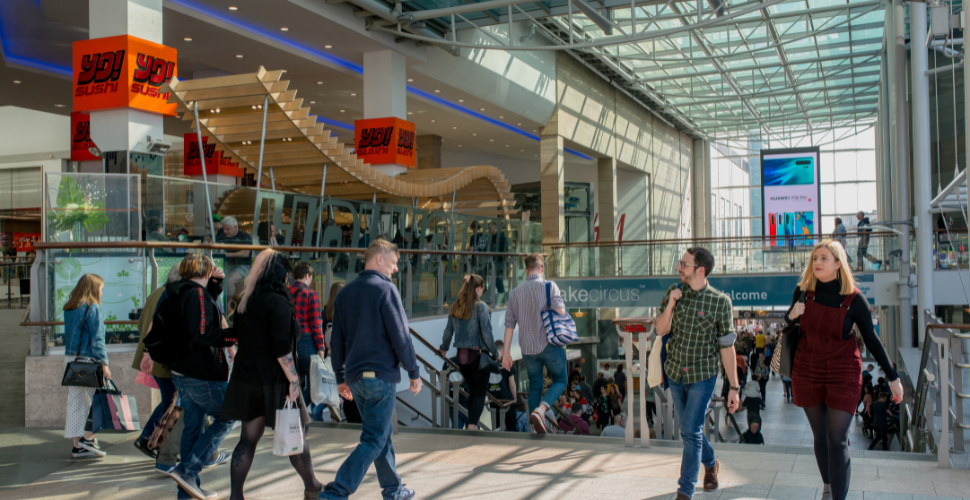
<point x="189" y="487"/>
<point x="538" y="422"/>
<point x="92" y="447"/>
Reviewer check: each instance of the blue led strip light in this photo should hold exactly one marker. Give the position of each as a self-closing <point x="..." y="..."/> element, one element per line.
<point x="337" y="124"/>
<point x="337" y="61"/>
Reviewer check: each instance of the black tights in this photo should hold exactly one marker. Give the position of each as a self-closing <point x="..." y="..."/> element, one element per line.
<point x="831" y="430"/>
<point x="242" y="459"/>
<point x="477" y="390"/>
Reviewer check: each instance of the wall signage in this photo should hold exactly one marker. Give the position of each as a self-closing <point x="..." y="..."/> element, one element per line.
<point x="123" y="72"/>
<point x="215" y="163"/>
<point x="81" y="137"/>
<point x="382" y="141"/>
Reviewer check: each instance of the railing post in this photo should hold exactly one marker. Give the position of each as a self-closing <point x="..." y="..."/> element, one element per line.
<point x="515" y="273"/>
<point x="440" y="279"/>
<point x="491" y="283"/>
<point x="443" y="393"/>
<point x="408" y="292"/>
<point x="644" y="386"/>
<point x="956" y="355"/>
<point x="154" y="264"/>
<point x="327" y="273"/>
<point x="628" y="352"/>
<point x="943" y="447"/>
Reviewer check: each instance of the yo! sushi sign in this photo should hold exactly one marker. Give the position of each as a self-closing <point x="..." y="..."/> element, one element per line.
<point x="383" y="141"/>
<point x="123" y="72"/>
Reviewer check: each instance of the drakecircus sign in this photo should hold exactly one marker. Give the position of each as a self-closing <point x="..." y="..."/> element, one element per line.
<point x="381" y="141"/>
<point x="123" y="72"/>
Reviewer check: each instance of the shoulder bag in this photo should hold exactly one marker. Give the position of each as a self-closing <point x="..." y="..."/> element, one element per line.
<point x="486" y="362"/>
<point x="560" y="328"/>
<point x="83" y="371"/>
<point x="783" y="361"/>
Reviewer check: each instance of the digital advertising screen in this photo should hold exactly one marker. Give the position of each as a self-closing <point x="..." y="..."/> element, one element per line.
<point x="790" y="194"/>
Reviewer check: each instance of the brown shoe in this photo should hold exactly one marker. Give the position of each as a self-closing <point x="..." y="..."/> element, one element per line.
<point x="710" y="476"/>
<point x="681" y="496"/>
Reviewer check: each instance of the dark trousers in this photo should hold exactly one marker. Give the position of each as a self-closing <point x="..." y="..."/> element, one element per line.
<point x="477" y="390"/>
<point x="881" y="435"/>
<point x="763" y="382"/>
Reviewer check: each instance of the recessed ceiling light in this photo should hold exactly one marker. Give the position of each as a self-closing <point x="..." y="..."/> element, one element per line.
<point x="239" y="56"/>
<point x="501" y="117"/>
<point x="352" y="95"/>
<point x="461" y="100"/>
<point x="481" y="109"/>
<point x="187" y="39"/>
<point x="16" y="82"/>
<point x="522" y="151"/>
<point x="313" y="102"/>
<point x="410" y="112"/>
<point x="410" y="79"/>
<point x="459" y="145"/>
<point x="454" y="128"/>
<point x="518" y="124"/>
<point x="506" y="145"/>
<point x="319" y="83"/>
<point x="535" y="155"/>
<point x="535" y="130"/>
<point x="491" y="140"/>
<point x="432" y="121"/>
<point x="436" y="91"/>
<point x="284" y="29"/>
<point x="328" y="46"/>
<point x="58" y="105"/>
<point x="474" y="133"/>
<point x="342" y="110"/>
<point x="233" y="8"/>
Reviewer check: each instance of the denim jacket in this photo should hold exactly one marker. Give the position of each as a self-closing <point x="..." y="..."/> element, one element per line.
<point x="466" y="331"/>
<point x="93" y="333"/>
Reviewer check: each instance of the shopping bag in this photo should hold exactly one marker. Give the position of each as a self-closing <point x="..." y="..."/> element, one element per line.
<point x="112" y="410"/>
<point x="323" y="382"/>
<point x="288" y="433"/>
<point x="165" y="425"/>
<point x="146" y="380"/>
<point x="655" y="375"/>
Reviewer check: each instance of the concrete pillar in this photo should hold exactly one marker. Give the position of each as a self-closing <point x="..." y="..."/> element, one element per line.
<point x="429" y="151"/>
<point x="606" y="209"/>
<point x="922" y="176"/>
<point x="551" y="177"/>
<point x="123" y="129"/>
<point x="701" y="189"/>
<point x="385" y="92"/>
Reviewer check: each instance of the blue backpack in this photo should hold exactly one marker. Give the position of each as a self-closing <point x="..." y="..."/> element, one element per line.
<point x="560" y="328"/>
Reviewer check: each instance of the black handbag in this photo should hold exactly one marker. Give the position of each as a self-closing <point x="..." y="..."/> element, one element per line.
<point x="790" y="336"/>
<point x="83" y="371"/>
<point x="486" y="362"/>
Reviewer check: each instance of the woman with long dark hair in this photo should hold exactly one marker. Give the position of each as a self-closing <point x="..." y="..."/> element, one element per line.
<point x="266" y="369"/>
<point x="470" y="322"/>
<point x="827" y="372"/>
<point x="84" y="334"/>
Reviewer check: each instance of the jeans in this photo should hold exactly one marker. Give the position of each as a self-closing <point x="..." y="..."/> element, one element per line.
<point x="304" y="349"/>
<point x="375" y="399"/>
<point x="199" y="398"/>
<point x="167" y="388"/>
<point x="553" y="358"/>
<point x="690" y="403"/>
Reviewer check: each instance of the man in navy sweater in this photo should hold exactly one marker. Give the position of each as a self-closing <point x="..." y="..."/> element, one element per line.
<point x="369" y="342"/>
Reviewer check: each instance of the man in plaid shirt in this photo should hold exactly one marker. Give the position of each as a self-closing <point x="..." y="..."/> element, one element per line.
<point x="699" y="321"/>
<point x="307" y="307"/>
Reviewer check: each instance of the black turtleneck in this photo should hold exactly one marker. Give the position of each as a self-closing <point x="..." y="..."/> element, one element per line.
<point x="827" y="294"/>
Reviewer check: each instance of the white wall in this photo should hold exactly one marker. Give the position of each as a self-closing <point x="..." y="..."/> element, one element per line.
<point x="24" y="131"/>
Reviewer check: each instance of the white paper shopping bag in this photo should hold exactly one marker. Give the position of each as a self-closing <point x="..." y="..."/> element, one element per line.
<point x="288" y="435"/>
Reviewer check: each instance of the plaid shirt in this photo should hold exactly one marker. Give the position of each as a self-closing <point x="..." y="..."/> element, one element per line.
<point x="307" y="307"/>
<point x="700" y="319"/>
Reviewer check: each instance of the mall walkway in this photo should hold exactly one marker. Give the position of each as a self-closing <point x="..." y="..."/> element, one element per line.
<point x="461" y="465"/>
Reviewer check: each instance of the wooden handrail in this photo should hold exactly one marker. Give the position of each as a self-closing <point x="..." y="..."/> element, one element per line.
<point x="118" y="245"/>
<point x="702" y="242"/>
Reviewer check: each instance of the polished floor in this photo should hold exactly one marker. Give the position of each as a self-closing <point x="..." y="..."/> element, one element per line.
<point x="463" y="465"/>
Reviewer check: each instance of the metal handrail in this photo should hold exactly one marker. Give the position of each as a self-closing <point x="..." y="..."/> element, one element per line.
<point x="703" y="241"/>
<point x="61" y="323"/>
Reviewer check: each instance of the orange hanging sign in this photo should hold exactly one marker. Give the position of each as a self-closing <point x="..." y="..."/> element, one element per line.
<point x="123" y="72"/>
<point x="381" y="141"/>
<point x="81" y="137"/>
<point x="215" y="163"/>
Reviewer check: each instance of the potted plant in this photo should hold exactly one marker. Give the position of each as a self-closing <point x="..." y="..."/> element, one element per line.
<point x="75" y="210"/>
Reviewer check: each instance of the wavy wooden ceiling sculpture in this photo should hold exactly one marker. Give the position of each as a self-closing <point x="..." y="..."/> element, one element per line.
<point x="297" y="147"/>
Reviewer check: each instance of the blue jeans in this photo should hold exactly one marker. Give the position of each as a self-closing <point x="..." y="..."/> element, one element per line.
<point x="553" y="358"/>
<point x="167" y="388"/>
<point x="690" y="403"/>
<point x="199" y="398"/>
<point x="304" y="349"/>
<point x="375" y="399"/>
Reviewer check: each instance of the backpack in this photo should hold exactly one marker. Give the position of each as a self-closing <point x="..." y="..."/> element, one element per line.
<point x="169" y="340"/>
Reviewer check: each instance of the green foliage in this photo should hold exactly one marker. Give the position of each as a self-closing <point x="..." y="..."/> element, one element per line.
<point x="123" y="274"/>
<point x="75" y="208"/>
<point x="136" y="302"/>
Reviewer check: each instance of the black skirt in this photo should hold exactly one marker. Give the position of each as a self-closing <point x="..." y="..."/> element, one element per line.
<point x="246" y="402"/>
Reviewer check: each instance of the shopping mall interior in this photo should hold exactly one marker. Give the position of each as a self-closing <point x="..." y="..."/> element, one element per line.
<point x="609" y="136"/>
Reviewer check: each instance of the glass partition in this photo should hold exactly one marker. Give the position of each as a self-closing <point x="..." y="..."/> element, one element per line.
<point x="92" y="207"/>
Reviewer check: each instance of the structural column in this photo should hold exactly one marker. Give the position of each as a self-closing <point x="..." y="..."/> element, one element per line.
<point x="606" y="209"/>
<point x="429" y="151"/>
<point x="120" y="130"/>
<point x="552" y="177"/>
<point x="385" y="92"/>
<point x="701" y="189"/>
<point x="922" y="177"/>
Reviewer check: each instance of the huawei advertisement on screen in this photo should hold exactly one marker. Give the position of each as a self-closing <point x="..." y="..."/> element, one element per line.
<point x="790" y="192"/>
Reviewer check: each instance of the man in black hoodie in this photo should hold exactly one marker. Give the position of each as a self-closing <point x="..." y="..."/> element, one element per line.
<point x="201" y="374"/>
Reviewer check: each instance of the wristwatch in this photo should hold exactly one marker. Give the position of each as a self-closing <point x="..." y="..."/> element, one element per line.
<point x="736" y="389"/>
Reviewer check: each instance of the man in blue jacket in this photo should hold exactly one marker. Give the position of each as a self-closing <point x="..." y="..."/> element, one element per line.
<point x="369" y="341"/>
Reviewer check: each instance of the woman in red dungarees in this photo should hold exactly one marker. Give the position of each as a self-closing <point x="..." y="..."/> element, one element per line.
<point x="827" y="374"/>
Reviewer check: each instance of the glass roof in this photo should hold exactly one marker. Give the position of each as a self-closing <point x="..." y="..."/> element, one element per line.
<point x="793" y="65"/>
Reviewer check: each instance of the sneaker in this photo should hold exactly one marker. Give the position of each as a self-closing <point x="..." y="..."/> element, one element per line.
<point x="405" y="494"/>
<point x="91" y="446"/>
<point x="209" y="494"/>
<point x="219" y="460"/>
<point x="164" y="469"/>
<point x="538" y="422"/>
<point x="83" y="453"/>
<point x="93" y="443"/>
<point x="142" y="445"/>
<point x="189" y="486"/>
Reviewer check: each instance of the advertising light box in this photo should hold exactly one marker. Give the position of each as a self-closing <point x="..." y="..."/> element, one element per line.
<point x="790" y="191"/>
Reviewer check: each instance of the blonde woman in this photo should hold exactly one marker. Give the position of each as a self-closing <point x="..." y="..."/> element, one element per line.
<point x="827" y="373"/>
<point x="84" y="334"/>
<point x="266" y="371"/>
<point x="470" y="323"/>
